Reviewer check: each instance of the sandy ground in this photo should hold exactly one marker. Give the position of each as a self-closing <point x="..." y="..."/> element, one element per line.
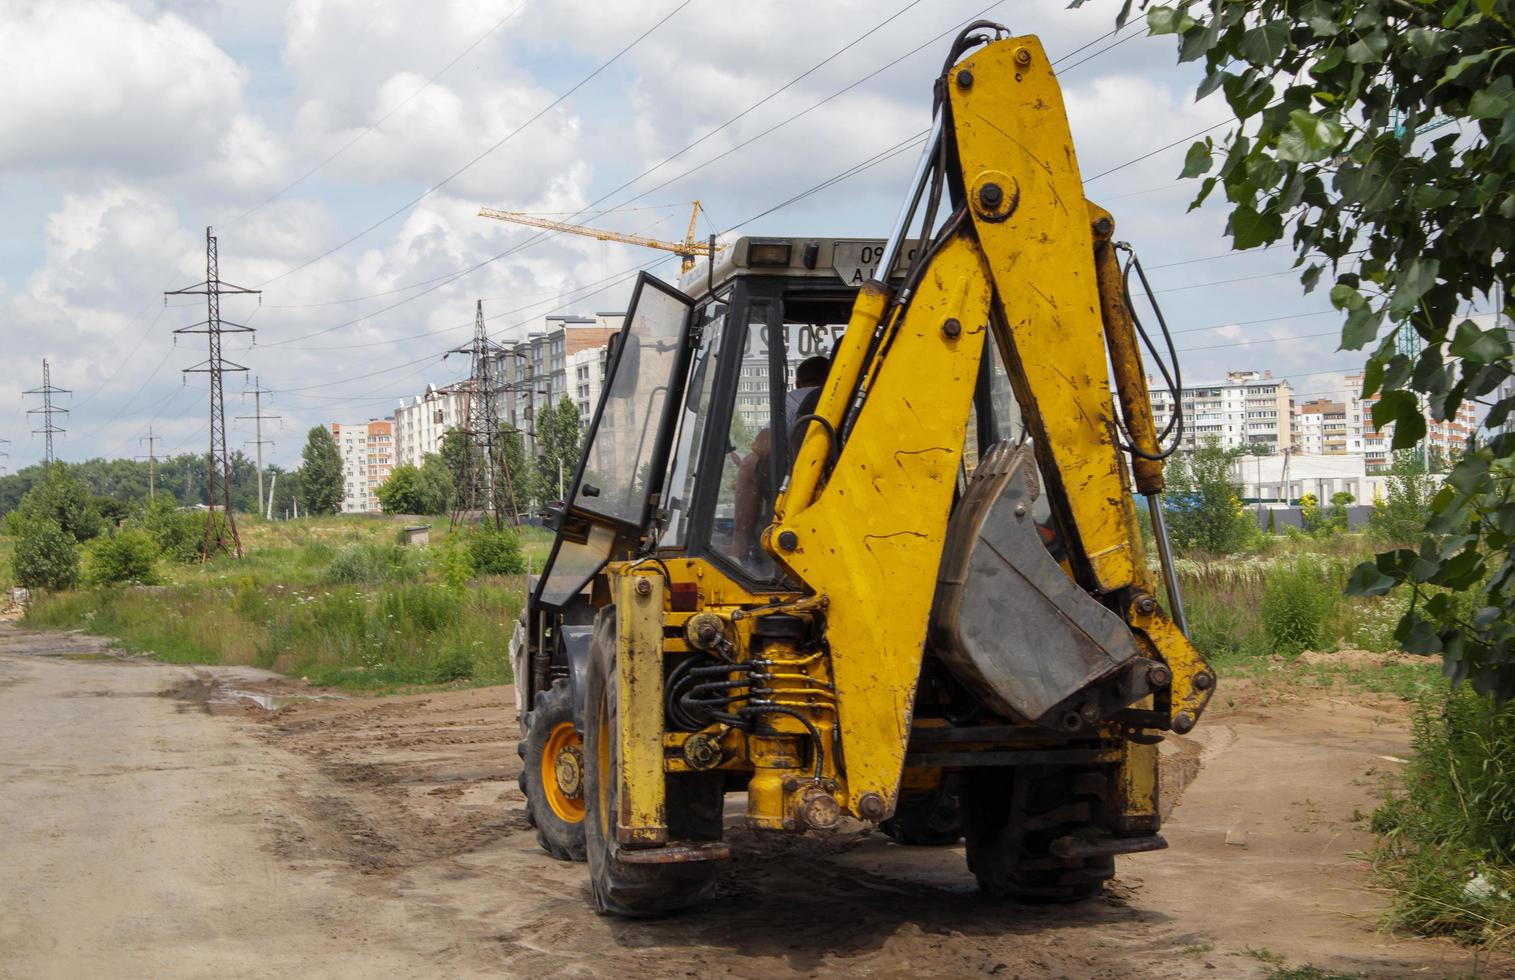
<point x="154" y="823"/>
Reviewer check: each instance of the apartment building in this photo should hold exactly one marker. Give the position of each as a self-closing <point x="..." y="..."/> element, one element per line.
<point x="367" y="451"/>
<point x="1444" y="439"/>
<point x="1248" y="408"/>
<point x="421" y="422"/>
<point x="1324" y="427"/>
<point x="566" y="357"/>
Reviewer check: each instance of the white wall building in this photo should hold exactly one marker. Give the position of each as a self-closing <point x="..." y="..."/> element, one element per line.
<point x="422" y="421"/>
<point x="1283" y="478"/>
<point x="367" y="450"/>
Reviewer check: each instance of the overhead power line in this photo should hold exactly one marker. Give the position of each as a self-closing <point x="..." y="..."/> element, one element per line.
<point x="486" y="152"/>
<point x="438" y="282"/>
<point x="378" y="122"/>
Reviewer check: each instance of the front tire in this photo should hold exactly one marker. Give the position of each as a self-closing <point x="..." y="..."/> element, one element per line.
<point x="621" y="888"/>
<point x="552" y="773"/>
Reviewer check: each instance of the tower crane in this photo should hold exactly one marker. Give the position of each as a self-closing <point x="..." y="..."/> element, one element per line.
<point x="687" y="249"/>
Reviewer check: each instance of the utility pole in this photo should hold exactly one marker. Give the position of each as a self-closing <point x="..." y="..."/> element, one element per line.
<point x="216" y="366"/>
<point x="152" y="460"/>
<point x="486" y="457"/>
<point x="258" y="391"/>
<point x="48" y="410"/>
<point x="4" y="455"/>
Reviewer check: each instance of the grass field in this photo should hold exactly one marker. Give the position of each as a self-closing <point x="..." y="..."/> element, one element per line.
<point x="332" y="599"/>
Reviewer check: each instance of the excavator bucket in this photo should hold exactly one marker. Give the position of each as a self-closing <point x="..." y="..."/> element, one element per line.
<point x="1009" y="622"/>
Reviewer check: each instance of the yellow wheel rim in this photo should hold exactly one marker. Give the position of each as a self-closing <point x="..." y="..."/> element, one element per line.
<point x="563" y="773"/>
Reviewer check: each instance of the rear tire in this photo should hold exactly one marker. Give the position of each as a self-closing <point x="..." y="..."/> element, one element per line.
<point x="927" y="818"/>
<point x="1011" y="816"/>
<point x="552" y="773"/>
<point x="693" y="807"/>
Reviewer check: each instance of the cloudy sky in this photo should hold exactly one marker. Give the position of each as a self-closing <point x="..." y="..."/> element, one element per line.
<point x="341" y="150"/>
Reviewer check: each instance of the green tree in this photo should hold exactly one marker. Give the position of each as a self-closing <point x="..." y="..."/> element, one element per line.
<point x="321" y="472"/>
<point x="1400" y="517"/>
<point x="408" y="491"/>
<point x="1334" y="147"/>
<point x="518" y="465"/>
<point x="1204" y="511"/>
<point x="458" y="455"/>
<point x="559" y="445"/>
<point x="1337" y="518"/>
<point x="63" y="499"/>
<point x="438" y="482"/>
<point x="46" y="556"/>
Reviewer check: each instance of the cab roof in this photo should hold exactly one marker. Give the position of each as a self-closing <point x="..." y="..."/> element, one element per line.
<point x="846" y="261"/>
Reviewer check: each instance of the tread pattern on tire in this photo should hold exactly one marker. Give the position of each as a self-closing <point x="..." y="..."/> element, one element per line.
<point x="642" y="890"/>
<point x="558" y="837"/>
<point x="1011" y="817"/>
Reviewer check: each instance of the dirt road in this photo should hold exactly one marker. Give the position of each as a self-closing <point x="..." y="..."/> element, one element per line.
<point x="154" y="823"/>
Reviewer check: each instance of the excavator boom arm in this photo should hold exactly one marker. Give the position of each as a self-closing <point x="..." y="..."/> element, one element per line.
<point x="1025" y="259"/>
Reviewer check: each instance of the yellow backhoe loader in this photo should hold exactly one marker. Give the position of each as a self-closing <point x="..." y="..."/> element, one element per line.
<point x="854" y="534"/>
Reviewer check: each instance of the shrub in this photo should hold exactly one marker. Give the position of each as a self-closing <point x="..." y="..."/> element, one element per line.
<point x="179" y="534"/>
<point x="1447" y="841"/>
<point x="1222" y="629"/>
<point x="371" y="564"/>
<point x="46" y="557"/>
<point x="453" y="665"/>
<point x="129" y="556"/>
<point x="453" y="562"/>
<point x="495" y="552"/>
<point x="1297" y="602"/>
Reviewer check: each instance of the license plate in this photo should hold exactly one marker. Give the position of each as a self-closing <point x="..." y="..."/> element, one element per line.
<point x="857" y="262"/>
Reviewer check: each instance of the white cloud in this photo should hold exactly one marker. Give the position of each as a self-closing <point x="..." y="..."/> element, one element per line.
<point x="97" y="86"/>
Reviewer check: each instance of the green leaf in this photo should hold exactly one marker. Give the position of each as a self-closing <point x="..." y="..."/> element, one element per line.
<point x="1326" y="63"/>
<point x="1198" y="160"/>
<point x="1372" y="378"/>
<point x="1204" y="191"/>
<point x="1368" y="49"/>
<point x="1168" y="20"/>
<point x="1310" y="278"/>
<point x="1361" y="327"/>
<point x="1212" y="81"/>
<point x="1309" y="138"/>
<point x="1263" y="45"/>
<point x="1494" y="101"/>
<point x="1415" y="635"/>
<point x="1344" y="297"/>
<point x="1411" y="284"/>
<point x="1430" y="43"/>
<point x="1480" y="346"/>
<point x="1249" y="228"/>
<point x="1366" y="579"/>
<point x="1462" y="64"/>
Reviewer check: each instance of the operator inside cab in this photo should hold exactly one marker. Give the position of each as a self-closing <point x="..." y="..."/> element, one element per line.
<point x="753" y="495"/>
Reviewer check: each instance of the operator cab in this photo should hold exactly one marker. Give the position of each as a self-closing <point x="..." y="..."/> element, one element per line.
<point x="707" y="400"/>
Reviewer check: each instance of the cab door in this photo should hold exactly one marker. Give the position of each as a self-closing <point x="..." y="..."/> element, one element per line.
<point x="626" y="449"/>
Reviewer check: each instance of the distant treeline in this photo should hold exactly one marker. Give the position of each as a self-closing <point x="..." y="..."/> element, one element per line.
<point x="185" y="476"/>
